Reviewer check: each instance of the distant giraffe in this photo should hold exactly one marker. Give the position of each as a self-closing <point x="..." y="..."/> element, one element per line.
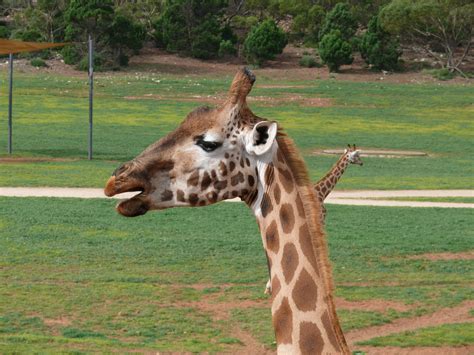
<point x="326" y="184"/>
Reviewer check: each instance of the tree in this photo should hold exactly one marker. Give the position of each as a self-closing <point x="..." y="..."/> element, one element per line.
<point x="192" y="27"/>
<point x="432" y="24"/>
<point x="308" y="23"/>
<point x="115" y="34"/>
<point x="334" y="50"/>
<point x="264" y="42"/>
<point x="339" y="18"/>
<point x="379" y="48"/>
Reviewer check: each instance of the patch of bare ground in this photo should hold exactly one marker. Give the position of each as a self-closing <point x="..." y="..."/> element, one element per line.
<point x="250" y="345"/>
<point x="458" y="314"/>
<point x="422" y="350"/>
<point x="372" y="305"/>
<point x="61" y="321"/>
<point x="374" y="153"/>
<point x="467" y="255"/>
<point x="284" y="67"/>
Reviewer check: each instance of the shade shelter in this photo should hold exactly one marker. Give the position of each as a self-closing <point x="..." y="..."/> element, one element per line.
<point x="11" y="47"/>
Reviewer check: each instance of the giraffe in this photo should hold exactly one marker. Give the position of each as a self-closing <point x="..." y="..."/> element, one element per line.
<point x="326" y="184"/>
<point x="227" y="152"/>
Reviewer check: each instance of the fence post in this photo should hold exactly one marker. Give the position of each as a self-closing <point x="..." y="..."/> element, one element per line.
<point x="10" y="102"/>
<point x="91" y="92"/>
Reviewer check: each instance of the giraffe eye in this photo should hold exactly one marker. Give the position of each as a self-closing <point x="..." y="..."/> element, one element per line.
<point x="207" y="146"/>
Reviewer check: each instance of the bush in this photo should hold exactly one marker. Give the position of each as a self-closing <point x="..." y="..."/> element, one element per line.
<point x="379" y="48"/>
<point x="441" y="74"/>
<point x="70" y="55"/>
<point x="84" y="63"/>
<point x="308" y="61"/>
<point x="226" y="48"/>
<point x="264" y="42"/>
<point x="38" y="62"/>
<point x="339" y="18"/>
<point x="191" y="27"/>
<point x="335" y="51"/>
<point x="4" y="32"/>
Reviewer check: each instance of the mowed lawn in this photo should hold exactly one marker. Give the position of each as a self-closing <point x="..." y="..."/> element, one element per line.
<point x="132" y="111"/>
<point x="76" y="276"/>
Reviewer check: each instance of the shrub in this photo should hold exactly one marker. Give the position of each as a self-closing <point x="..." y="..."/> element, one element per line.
<point x="264" y="42"/>
<point x="38" y="62"/>
<point x="226" y="48"/>
<point x="379" y="48"/>
<point x="441" y="74"/>
<point x="4" y="32"/>
<point x="191" y="27"/>
<point x="70" y="55"/>
<point x="335" y="51"/>
<point x="339" y="18"/>
<point x="308" y="61"/>
<point x="84" y="63"/>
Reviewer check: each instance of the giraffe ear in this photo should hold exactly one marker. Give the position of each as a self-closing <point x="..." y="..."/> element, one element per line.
<point x="261" y="138"/>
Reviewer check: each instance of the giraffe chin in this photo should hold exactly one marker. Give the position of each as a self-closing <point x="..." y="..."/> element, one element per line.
<point x="133" y="207"/>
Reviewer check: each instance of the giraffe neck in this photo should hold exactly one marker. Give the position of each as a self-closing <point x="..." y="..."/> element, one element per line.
<point x="303" y="311"/>
<point x="326" y="184"/>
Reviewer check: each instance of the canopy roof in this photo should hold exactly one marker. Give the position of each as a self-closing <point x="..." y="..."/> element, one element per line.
<point x="8" y="46"/>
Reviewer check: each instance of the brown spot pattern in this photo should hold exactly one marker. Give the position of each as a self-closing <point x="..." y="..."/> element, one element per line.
<point x="300" y="207"/>
<point x="220" y="185"/>
<point x="266" y="205"/>
<point x="305" y="292"/>
<point x="237" y="178"/>
<point x="272" y="238"/>
<point x="212" y="196"/>
<point x="194" y="179"/>
<point x="251" y="180"/>
<point x="166" y="195"/>
<point x="269" y="174"/>
<point x="286" y="179"/>
<point x="231" y="166"/>
<point x="307" y="247"/>
<point x="180" y="196"/>
<point x="287" y="217"/>
<point x="311" y="341"/>
<point x="327" y="325"/>
<point x="206" y="181"/>
<point x="289" y="261"/>
<point x="277" y="194"/>
<point x="276" y="286"/>
<point x="223" y="168"/>
<point x="193" y="199"/>
<point x="283" y="323"/>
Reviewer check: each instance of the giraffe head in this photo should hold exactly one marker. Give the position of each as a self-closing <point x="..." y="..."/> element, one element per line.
<point x="211" y="156"/>
<point x="353" y="154"/>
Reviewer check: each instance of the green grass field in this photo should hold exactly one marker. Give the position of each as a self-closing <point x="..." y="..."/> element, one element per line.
<point x="78" y="277"/>
<point x="51" y="120"/>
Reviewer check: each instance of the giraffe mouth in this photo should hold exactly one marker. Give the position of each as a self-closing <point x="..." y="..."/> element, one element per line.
<point x="130" y="207"/>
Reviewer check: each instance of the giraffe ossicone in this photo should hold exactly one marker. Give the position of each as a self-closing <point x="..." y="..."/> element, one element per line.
<point x="228" y="152"/>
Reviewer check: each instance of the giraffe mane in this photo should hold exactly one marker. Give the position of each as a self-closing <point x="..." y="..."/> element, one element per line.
<point x="312" y="209"/>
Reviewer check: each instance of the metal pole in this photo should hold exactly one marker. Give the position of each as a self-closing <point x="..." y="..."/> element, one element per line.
<point x="10" y="100"/>
<point x="91" y="92"/>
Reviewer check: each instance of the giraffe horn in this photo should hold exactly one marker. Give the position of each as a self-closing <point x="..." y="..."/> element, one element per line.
<point x="241" y="86"/>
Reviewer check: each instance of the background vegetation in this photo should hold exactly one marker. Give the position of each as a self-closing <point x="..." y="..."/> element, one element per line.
<point x="209" y="29"/>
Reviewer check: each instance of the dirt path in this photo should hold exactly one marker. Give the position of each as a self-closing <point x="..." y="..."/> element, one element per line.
<point x="354" y="197"/>
<point x="457" y="314"/>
